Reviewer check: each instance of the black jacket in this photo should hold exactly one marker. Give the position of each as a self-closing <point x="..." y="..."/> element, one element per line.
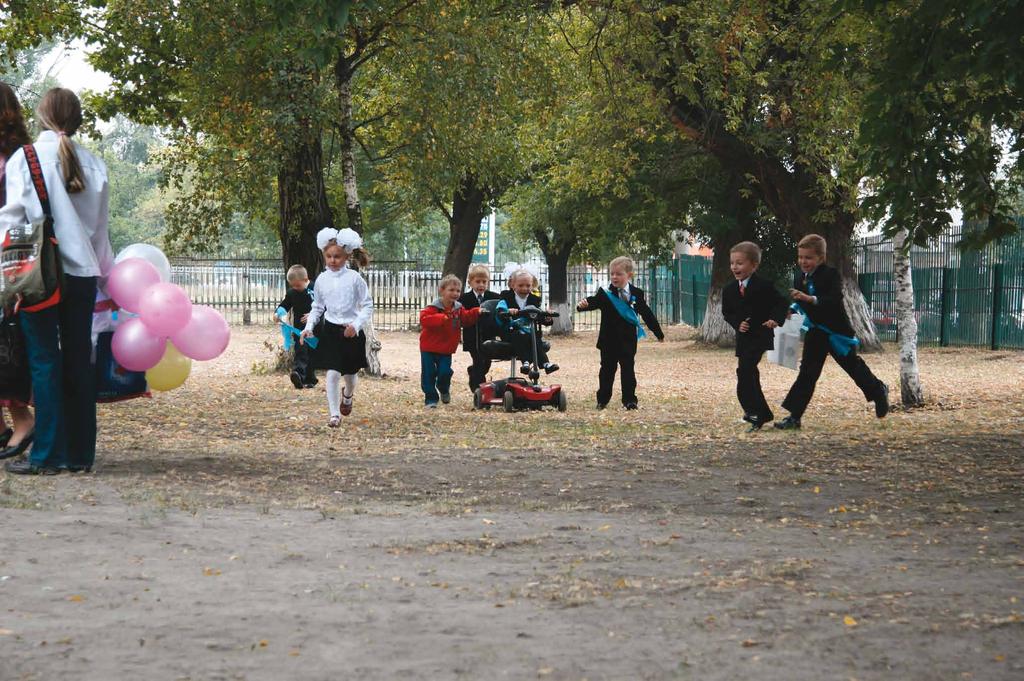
<point x="759" y="303"/>
<point x="484" y="329"/>
<point x="615" y="333"/>
<point x="299" y="303"/>
<point x="829" y="310"/>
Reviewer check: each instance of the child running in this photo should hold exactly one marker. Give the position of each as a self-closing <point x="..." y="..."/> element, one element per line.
<point x="298" y="301"/>
<point x="620" y="329"/>
<point x="818" y="292"/>
<point x="441" y="325"/>
<point x="753" y="307"/>
<point x="342" y="298"/>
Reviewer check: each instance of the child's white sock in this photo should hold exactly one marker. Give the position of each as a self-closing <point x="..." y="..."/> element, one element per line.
<point x="334" y="392"/>
<point x="350" y="386"/>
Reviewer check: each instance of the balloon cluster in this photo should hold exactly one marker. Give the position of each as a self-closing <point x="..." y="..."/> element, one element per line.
<point x="167" y="331"/>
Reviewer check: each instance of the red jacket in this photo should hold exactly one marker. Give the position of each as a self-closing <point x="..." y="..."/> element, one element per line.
<point x="441" y="329"/>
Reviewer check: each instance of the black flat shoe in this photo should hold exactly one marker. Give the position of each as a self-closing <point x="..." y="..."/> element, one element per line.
<point x="296" y="379"/>
<point x="17" y="449"/>
<point x="5" y="437"/>
<point x="788" y="423"/>
<point x="79" y="469"/>
<point x="882" y="402"/>
<point x="550" y="368"/>
<point x="631" y="406"/>
<point x="25" y="468"/>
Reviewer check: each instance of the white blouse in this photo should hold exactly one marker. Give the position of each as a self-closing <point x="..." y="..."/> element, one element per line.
<point x="79" y="220"/>
<point x="342" y="297"/>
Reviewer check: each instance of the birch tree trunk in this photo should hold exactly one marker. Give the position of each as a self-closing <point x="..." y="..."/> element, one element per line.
<point x="911" y="394"/>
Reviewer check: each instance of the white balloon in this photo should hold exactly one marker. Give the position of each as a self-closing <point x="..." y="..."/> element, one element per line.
<point x="149" y="253"/>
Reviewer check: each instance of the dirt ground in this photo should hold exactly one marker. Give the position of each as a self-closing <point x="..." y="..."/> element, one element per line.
<point x="228" y="534"/>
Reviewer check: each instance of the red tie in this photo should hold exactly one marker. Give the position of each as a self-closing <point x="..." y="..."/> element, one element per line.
<point x="743" y="289"/>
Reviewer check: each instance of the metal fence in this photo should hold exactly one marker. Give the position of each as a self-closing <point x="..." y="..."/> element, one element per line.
<point x="961" y="298"/>
<point x="244" y="291"/>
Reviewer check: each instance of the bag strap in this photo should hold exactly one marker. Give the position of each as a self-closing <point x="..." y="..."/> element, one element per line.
<point x="36" y="170"/>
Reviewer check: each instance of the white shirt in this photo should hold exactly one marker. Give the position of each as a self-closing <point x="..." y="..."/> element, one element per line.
<point x="342" y="297"/>
<point x="79" y="220"/>
<point x="521" y="301"/>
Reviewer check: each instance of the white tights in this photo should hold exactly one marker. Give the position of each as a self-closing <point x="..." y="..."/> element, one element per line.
<point x="335" y="396"/>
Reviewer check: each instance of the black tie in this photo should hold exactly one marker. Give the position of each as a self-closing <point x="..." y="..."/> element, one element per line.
<point x="479" y="299"/>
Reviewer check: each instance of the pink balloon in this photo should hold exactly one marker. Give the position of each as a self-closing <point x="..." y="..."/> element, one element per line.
<point x="135" y="348"/>
<point x="165" y="309"/>
<point x="205" y="336"/>
<point x="128" y="279"/>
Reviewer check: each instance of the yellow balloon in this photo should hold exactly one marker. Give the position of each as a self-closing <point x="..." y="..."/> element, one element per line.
<point x="171" y="371"/>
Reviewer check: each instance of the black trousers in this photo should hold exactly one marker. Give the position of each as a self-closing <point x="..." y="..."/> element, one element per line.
<point x="816" y="350"/>
<point x="523" y="347"/>
<point x="478" y="369"/>
<point x="610" y="362"/>
<point x="748" y="383"/>
<point x="302" y="366"/>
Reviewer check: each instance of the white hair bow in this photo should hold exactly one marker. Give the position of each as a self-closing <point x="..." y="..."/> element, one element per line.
<point x="347" y="238"/>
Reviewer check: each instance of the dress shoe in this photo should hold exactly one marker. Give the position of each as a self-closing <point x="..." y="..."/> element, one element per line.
<point x="788" y="423"/>
<point x="525" y="369"/>
<point x="79" y="469"/>
<point x="749" y="418"/>
<point x="296" y="379"/>
<point x="17" y="449"/>
<point x="550" y="368"/>
<point x="756" y="422"/>
<point x="882" y="402"/>
<point x="5" y="437"/>
<point x="631" y="406"/>
<point x="23" y="467"/>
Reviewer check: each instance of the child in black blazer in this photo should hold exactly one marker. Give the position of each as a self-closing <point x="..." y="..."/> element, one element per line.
<point x="617" y="336"/>
<point x="519" y="295"/>
<point x="753" y="307"/>
<point x="818" y="290"/>
<point x="485" y="329"/>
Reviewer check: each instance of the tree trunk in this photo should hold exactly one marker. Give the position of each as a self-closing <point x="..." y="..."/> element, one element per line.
<point x="302" y="203"/>
<point x="911" y="393"/>
<point x="343" y="72"/>
<point x="469" y="206"/>
<point x="343" y="81"/>
<point x="558" y="287"/>
<point x="714" y="330"/>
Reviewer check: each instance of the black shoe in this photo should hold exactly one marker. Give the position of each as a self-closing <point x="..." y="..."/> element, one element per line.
<point x="23" y="467"/>
<point x="601" y="405"/>
<point x="631" y="406"/>
<point x="525" y="369"/>
<point x="749" y="418"/>
<point x="296" y="380"/>
<point x="756" y="422"/>
<point x="882" y="402"/>
<point x="79" y="469"/>
<point x="5" y="437"/>
<point x="550" y="368"/>
<point x="788" y="423"/>
<point x="19" y="448"/>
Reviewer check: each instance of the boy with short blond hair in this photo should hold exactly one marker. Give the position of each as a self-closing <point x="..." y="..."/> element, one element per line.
<point x="298" y="301"/>
<point x="818" y="292"/>
<point x="753" y="307"/>
<point x="441" y="325"/>
<point x="620" y="328"/>
<point x="473" y="337"/>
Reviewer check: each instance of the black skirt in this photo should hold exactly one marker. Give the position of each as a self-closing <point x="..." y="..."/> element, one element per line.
<point x="334" y="351"/>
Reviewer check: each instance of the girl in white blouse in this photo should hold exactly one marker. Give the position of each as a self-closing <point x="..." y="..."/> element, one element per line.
<point x="342" y="298"/>
<point x="59" y="338"/>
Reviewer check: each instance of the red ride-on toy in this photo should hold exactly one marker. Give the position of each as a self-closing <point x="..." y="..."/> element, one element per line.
<point x="516" y="393"/>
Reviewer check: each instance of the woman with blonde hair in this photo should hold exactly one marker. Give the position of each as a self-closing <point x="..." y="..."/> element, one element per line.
<point x="59" y="337"/>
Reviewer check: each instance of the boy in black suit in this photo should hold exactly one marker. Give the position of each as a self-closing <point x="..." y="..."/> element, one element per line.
<point x="299" y="301"/>
<point x="817" y="289"/>
<point x="485" y="329"/>
<point x="519" y="295"/>
<point x="619" y="330"/>
<point x="753" y="307"/>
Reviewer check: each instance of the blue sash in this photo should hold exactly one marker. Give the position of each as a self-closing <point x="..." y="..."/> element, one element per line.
<point x="842" y="345"/>
<point x="287" y="330"/>
<point x="626" y="312"/>
<point x="522" y="325"/>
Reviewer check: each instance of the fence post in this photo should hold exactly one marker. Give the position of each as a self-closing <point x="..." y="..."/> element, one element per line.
<point x="676" y="293"/>
<point x="947" y="276"/>
<point x="246" y="297"/>
<point x="997" y="303"/>
<point x="654" y="287"/>
<point x="693" y="298"/>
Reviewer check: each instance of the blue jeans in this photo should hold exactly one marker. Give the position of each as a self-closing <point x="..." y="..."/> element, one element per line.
<point x="435" y="375"/>
<point x="59" y="344"/>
